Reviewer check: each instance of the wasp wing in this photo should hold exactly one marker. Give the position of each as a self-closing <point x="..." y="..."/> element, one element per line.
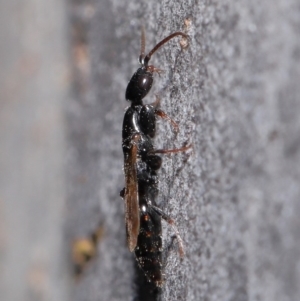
<point x="131" y="197"/>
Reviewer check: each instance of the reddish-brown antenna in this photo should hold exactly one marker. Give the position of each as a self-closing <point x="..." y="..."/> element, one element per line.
<point x="143" y="45"/>
<point x="162" y="42"/>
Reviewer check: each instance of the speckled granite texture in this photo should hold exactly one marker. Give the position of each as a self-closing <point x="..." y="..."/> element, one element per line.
<point x="236" y="197"/>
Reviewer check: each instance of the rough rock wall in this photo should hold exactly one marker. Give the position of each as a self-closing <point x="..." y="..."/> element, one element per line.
<point x="235" y="94"/>
<point x="236" y="197"/>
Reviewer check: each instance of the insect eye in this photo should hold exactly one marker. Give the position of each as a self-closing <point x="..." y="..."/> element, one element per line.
<point x="145" y="82"/>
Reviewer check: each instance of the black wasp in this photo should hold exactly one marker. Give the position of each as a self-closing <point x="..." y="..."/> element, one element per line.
<point x="141" y="162"/>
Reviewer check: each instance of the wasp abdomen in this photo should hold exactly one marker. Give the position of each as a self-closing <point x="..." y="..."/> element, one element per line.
<point x="149" y="247"/>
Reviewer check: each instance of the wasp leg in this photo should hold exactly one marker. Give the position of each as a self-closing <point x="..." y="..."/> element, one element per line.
<point x="171" y="222"/>
<point x="167" y="250"/>
<point x="153" y="69"/>
<point x="162" y="114"/>
<point x="168" y="151"/>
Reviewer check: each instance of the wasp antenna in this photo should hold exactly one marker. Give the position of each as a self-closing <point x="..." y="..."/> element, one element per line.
<point x="162" y="42"/>
<point x="143" y="45"/>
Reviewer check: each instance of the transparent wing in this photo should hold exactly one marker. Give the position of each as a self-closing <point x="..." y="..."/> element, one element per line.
<point x="131" y="197"/>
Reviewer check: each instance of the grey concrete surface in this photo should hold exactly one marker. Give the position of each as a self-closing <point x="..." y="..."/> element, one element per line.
<point x="235" y="198"/>
<point x="235" y="93"/>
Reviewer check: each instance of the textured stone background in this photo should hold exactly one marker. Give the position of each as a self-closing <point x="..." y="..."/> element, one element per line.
<point x="235" y="92"/>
